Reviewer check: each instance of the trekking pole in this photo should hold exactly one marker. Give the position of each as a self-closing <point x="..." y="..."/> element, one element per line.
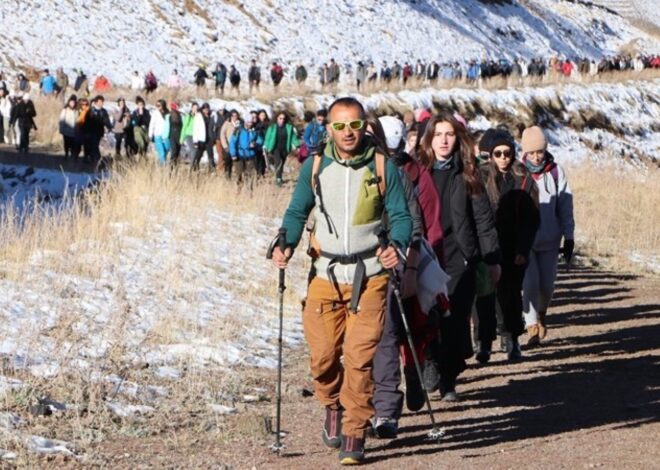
<point x="278" y="447"/>
<point x="436" y="433"/>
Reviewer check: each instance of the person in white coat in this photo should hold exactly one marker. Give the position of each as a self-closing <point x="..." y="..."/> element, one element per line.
<point x="159" y="130"/>
<point x="137" y="81"/>
<point x="557" y="222"/>
<point x="68" y="120"/>
<point x="5" y="115"/>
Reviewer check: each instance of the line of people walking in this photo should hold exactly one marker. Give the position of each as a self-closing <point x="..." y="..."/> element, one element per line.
<point x="489" y="217"/>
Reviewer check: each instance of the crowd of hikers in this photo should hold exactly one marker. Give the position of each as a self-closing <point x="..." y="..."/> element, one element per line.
<point x="393" y="205"/>
<point x="365" y="73"/>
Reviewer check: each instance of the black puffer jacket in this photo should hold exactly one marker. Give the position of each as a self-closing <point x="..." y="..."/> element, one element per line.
<point x="516" y="211"/>
<point x="472" y="232"/>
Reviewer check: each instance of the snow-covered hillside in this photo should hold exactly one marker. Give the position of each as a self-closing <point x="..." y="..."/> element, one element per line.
<point x="116" y="37"/>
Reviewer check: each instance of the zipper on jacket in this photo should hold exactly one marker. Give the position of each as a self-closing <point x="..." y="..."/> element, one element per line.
<point x="346" y="218"/>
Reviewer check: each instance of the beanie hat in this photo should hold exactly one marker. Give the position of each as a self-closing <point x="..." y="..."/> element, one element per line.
<point x="174" y="106"/>
<point x="501" y="137"/>
<point x="533" y="139"/>
<point x="394" y="130"/>
<point x="484" y="143"/>
<point x="422" y="114"/>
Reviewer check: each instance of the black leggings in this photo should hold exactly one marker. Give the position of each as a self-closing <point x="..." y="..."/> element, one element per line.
<point x="509" y="295"/>
<point x="199" y="151"/>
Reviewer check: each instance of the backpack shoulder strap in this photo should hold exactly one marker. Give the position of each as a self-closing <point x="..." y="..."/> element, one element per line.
<point x="381" y="165"/>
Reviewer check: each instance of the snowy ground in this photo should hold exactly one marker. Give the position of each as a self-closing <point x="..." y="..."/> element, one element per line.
<point x="186" y="297"/>
<point x="23" y="185"/>
<point x="120" y="37"/>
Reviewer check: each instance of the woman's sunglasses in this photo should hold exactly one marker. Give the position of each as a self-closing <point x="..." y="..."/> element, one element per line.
<point x="502" y="154"/>
<point x="354" y="125"/>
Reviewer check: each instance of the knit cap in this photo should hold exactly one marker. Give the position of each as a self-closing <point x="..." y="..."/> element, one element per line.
<point x="533" y="139"/>
<point x="484" y="143"/>
<point x="500" y="137"/>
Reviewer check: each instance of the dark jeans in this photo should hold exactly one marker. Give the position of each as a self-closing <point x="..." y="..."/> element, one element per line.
<point x="455" y="345"/>
<point x="71" y="146"/>
<point x="24" y="142"/>
<point x="260" y="162"/>
<point x="175" y="151"/>
<point x="509" y="295"/>
<point x="119" y="138"/>
<point x="279" y="159"/>
<point x="228" y="163"/>
<point x="486" y="312"/>
<point x="245" y="171"/>
<point x="199" y="151"/>
<point x="388" y="399"/>
<point x="91" y="145"/>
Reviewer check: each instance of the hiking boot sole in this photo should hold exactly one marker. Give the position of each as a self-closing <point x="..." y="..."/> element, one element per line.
<point x="351" y="460"/>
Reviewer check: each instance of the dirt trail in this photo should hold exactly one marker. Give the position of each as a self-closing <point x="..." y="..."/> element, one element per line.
<point x="590" y="397"/>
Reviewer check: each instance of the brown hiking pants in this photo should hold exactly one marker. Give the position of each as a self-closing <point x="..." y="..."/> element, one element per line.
<point x="332" y="331"/>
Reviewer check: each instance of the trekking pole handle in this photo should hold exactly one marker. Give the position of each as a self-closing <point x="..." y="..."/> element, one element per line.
<point x="383" y="240"/>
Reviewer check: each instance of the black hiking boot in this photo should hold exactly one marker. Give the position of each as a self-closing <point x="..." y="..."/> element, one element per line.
<point x="414" y="391"/>
<point x="483" y="356"/>
<point x="331" y="433"/>
<point x="351" y="451"/>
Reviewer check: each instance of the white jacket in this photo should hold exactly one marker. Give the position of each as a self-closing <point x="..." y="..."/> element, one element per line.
<point x="68" y="118"/>
<point x="5" y="107"/>
<point x="137" y="82"/>
<point x="159" y="126"/>
<point x="199" y="128"/>
<point x="556" y="210"/>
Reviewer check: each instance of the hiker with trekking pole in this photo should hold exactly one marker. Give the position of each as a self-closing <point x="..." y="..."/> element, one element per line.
<point x="347" y="188"/>
<point x="418" y="288"/>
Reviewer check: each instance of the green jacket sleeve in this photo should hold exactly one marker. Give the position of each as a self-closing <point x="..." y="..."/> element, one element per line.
<point x="269" y="141"/>
<point x="295" y="142"/>
<point x="302" y="202"/>
<point x="396" y="205"/>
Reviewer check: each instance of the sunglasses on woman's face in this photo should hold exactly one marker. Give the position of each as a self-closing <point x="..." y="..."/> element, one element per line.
<point x="354" y="125"/>
<point x="502" y="154"/>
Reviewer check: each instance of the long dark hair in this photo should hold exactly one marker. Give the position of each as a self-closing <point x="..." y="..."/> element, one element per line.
<point x="464" y="148"/>
<point x="518" y="171"/>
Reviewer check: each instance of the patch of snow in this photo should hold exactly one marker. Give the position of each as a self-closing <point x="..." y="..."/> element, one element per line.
<point x="42" y="445"/>
<point x="128" y="411"/>
<point x="222" y="409"/>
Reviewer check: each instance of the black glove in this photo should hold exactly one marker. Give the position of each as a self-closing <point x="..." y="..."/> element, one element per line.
<point x="567" y="250"/>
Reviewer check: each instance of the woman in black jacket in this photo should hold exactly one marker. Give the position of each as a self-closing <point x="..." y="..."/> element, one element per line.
<point x="514" y="199"/>
<point x="469" y="235"/>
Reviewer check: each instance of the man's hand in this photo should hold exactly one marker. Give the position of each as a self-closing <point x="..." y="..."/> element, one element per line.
<point x="519" y="260"/>
<point x="281" y="260"/>
<point x="388" y="257"/>
<point x="495" y="272"/>
<point x="567" y="250"/>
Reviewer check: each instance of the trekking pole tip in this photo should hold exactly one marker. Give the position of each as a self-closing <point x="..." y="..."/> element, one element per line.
<point x="436" y="434"/>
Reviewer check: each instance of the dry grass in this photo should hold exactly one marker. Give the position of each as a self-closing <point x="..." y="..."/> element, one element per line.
<point x="137" y="198"/>
<point x="617" y="213"/>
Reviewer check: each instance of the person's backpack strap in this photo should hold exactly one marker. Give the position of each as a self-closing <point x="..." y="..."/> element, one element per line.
<point x="554" y="172"/>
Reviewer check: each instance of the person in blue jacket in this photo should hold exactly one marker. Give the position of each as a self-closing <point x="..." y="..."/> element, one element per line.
<point x="315" y="134"/>
<point x="243" y="145"/>
<point x="48" y="83"/>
